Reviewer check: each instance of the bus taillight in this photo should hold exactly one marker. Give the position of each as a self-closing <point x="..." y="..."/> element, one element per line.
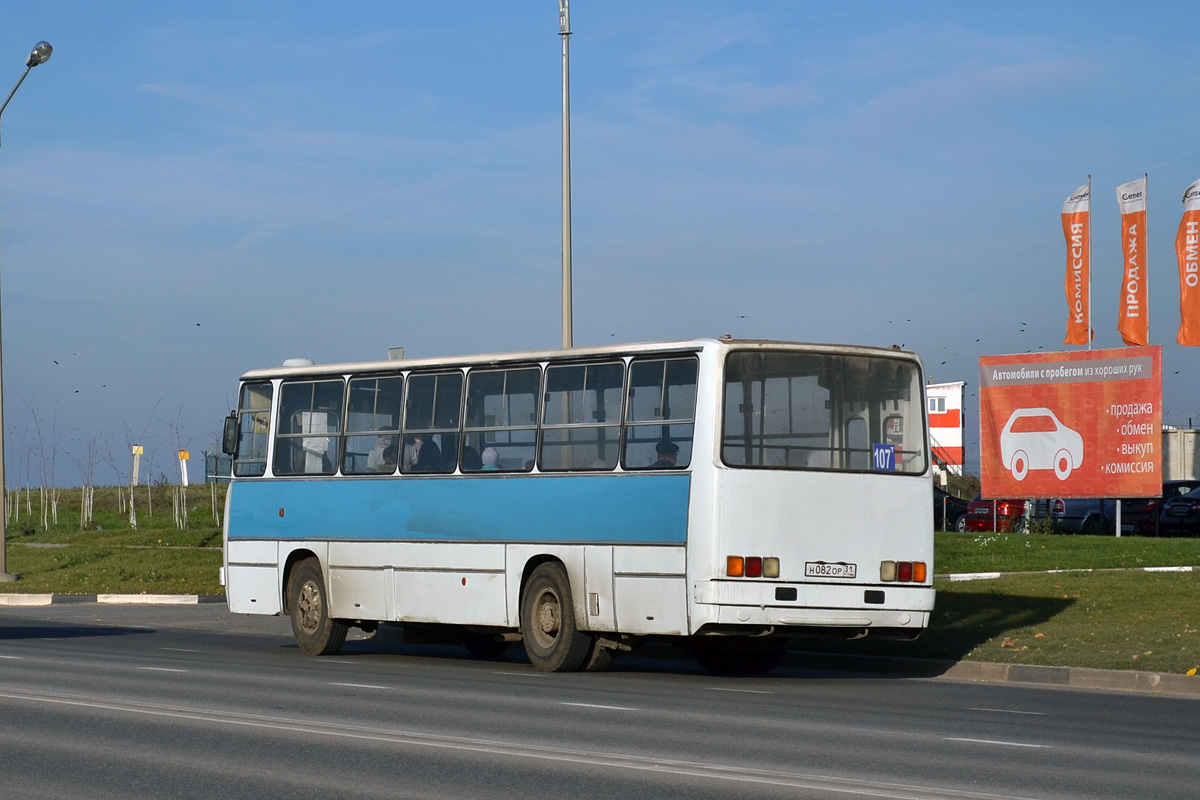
<point x="752" y="566"/>
<point x="903" y="571"/>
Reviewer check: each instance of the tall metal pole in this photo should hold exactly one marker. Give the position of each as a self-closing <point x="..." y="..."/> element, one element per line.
<point x="564" y="30"/>
<point x="41" y="52"/>
<point x="1090" y="329"/>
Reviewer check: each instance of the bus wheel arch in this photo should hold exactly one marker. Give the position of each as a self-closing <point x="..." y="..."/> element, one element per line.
<point x="316" y="631"/>
<point x="549" y="627"/>
<point x="289" y="566"/>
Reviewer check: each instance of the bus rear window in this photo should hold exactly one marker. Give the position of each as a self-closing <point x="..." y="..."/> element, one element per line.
<point x="821" y="411"/>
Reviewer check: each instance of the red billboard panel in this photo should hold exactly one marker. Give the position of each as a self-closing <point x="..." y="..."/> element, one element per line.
<point x="1078" y="424"/>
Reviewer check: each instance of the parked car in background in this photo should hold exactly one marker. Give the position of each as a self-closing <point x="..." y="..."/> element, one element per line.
<point x="1143" y="516"/>
<point x="1089" y="515"/>
<point x="995" y="515"/>
<point x="1139" y="515"/>
<point x="1180" y="515"/>
<point x="949" y="512"/>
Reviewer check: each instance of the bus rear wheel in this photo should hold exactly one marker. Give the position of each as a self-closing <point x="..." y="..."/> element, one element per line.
<point x="552" y="640"/>
<point x="739" y="656"/>
<point x="316" y="632"/>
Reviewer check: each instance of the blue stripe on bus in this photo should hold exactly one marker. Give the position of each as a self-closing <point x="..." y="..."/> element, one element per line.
<point x="632" y="508"/>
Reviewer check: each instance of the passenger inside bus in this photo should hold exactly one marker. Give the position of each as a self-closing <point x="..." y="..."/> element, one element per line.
<point x="667" y="452"/>
<point x="382" y="457"/>
<point x="471" y="461"/>
<point x="429" y="458"/>
<point x="412" y="447"/>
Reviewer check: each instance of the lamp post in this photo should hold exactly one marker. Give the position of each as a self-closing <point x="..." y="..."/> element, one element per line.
<point x="564" y="30"/>
<point x="39" y="55"/>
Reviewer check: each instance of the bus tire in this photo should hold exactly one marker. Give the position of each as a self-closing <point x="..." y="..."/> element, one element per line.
<point x="316" y="632"/>
<point x="552" y="640"/>
<point x="739" y="656"/>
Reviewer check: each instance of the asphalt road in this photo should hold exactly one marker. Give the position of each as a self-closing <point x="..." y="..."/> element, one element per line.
<point x="191" y="702"/>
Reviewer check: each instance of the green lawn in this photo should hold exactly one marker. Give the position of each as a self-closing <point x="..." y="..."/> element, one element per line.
<point x="1016" y="552"/>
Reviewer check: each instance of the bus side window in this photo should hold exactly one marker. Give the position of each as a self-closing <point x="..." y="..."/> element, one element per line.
<point x="431" y="420"/>
<point x="306" y="439"/>
<point x="581" y="423"/>
<point x="660" y="412"/>
<point x="373" y="426"/>
<point x="502" y="415"/>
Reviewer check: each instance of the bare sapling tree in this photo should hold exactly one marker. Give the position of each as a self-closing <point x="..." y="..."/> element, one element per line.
<point x="107" y="458"/>
<point x="48" y="491"/>
<point x="86" y="464"/>
<point x="131" y="443"/>
<point x="180" y="493"/>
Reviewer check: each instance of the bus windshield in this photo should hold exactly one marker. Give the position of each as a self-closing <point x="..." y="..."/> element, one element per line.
<point x="789" y="410"/>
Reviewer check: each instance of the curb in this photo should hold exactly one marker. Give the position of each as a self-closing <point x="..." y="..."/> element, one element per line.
<point x="991" y="576"/>
<point x="28" y="600"/>
<point x="989" y="672"/>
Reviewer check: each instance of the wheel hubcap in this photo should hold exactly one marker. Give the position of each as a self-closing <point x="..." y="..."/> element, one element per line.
<point x="309" y="604"/>
<point x="547" y="617"/>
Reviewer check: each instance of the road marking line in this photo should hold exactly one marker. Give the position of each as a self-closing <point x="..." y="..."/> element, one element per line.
<point x="1010" y="711"/>
<point x="740" y="691"/>
<point x="737" y="772"/>
<point x="994" y="741"/>
<point x="529" y="674"/>
<point x="178" y="650"/>
<point x="161" y="669"/>
<point x="595" y="705"/>
<point x="13" y="657"/>
<point x="360" y="685"/>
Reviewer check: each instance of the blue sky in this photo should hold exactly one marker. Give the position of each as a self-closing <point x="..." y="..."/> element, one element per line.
<point x="189" y="191"/>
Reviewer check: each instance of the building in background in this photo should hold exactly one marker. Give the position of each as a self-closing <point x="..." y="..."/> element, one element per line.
<point x="945" y="404"/>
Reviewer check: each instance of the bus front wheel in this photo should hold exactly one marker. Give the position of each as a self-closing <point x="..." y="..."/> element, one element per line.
<point x="548" y="630"/>
<point x="316" y="632"/>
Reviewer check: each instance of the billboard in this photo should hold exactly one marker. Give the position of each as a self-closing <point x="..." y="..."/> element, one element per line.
<point x="1078" y="424"/>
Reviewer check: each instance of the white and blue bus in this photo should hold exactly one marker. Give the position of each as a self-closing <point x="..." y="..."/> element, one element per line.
<point x="724" y="494"/>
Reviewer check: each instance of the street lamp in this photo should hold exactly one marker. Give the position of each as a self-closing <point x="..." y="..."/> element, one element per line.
<point x="39" y="55"/>
<point x="564" y="30"/>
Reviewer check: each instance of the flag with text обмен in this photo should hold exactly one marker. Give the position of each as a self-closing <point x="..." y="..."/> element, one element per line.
<point x="1187" y="251"/>
<point x="1075" y="213"/>
<point x="1134" y="321"/>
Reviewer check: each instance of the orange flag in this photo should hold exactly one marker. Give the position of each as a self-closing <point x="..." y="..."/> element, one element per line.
<point x="1187" y="250"/>
<point x="1077" y="231"/>
<point x="1134" y="321"/>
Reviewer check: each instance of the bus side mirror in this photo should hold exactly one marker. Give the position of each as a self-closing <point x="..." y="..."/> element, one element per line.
<point x="229" y="441"/>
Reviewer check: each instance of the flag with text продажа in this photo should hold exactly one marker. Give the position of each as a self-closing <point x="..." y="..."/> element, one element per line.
<point x="1134" y="321"/>
<point x="1075" y="213"/>
<point x="1187" y="251"/>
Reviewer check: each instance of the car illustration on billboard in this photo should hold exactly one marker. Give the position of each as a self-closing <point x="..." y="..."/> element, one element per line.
<point x="1034" y="438"/>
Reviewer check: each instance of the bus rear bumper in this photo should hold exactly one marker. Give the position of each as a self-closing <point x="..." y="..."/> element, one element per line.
<point x="813" y="606"/>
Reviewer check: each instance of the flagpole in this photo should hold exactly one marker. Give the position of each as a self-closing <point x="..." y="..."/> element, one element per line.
<point x="1146" y="255"/>
<point x="1089" y="267"/>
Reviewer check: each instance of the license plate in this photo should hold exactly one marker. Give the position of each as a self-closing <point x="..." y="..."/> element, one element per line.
<point x="1178" y="511"/>
<point x="825" y="569"/>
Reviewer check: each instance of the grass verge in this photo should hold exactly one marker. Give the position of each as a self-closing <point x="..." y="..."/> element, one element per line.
<point x="129" y="562"/>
